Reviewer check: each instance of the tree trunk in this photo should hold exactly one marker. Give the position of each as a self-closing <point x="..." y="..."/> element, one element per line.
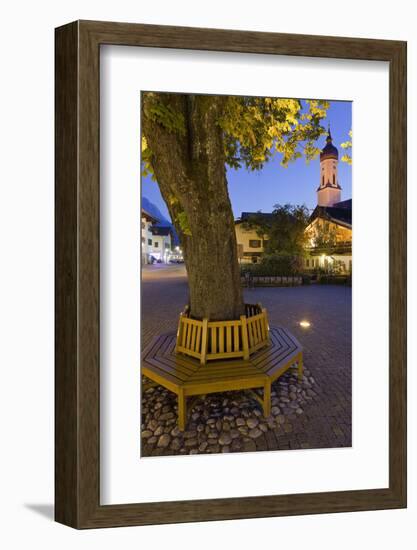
<point x="189" y="164"/>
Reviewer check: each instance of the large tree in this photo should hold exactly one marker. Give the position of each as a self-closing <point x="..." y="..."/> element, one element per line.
<point x="187" y="143"/>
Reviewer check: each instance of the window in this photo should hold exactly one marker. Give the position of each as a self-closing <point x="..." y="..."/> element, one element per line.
<point x="308" y="263"/>
<point x="334" y="179"/>
<point x="254" y="243"/>
<point x="156" y="244"/>
<point x="150" y="242"/>
<point x="143" y="240"/>
<point x="322" y="180"/>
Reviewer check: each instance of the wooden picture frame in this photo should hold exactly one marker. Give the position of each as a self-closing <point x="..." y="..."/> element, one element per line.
<point x="77" y="405"/>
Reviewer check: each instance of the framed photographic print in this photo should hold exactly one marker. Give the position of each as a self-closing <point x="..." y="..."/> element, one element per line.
<point x="230" y="274"/>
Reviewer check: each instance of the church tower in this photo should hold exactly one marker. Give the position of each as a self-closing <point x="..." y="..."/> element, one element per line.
<point x="329" y="191"/>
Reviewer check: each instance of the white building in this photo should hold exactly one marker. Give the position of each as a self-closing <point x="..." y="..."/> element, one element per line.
<point x="147" y="221"/>
<point x="162" y="240"/>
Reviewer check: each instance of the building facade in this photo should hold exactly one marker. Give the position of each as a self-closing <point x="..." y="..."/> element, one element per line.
<point x="329" y="232"/>
<point x="250" y="245"/>
<point x="329" y="190"/>
<point x="329" y="238"/>
<point x="147" y="221"/>
<point x="162" y="240"/>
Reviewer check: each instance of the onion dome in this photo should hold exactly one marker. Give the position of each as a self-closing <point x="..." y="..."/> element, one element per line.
<point x="329" y="150"/>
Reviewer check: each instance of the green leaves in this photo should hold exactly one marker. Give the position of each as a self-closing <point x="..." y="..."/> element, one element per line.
<point x="258" y="128"/>
<point x="147" y="169"/>
<point x="183" y="223"/>
<point x="169" y="118"/>
<point x="255" y="130"/>
<point x="347" y="145"/>
<point x="163" y="114"/>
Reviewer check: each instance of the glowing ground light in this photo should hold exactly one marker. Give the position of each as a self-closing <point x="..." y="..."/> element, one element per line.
<point x="304" y="324"/>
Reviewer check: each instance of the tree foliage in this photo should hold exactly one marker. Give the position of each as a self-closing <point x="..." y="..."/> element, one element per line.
<point x="347" y="146"/>
<point x="255" y="129"/>
<point x="258" y="128"/>
<point x="323" y="236"/>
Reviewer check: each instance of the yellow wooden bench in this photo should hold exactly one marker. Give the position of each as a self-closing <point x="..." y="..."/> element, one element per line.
<point x="187" y="376"/>
<point x="213" y="340"/>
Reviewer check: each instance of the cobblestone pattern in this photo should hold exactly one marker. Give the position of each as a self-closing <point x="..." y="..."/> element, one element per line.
<point x="320" y="415"/>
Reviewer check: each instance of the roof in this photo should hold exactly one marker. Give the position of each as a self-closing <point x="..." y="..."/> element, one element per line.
<point x="148" y="216"/>
<point x="161" y="230"/>
<point x="341" y="215"/>
<point x="329" y="150"/>
<point x="246" y="216"/>
<point x="344" y="204"/>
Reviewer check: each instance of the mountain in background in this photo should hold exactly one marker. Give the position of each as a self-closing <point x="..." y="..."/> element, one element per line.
<point x="152" y="209"/>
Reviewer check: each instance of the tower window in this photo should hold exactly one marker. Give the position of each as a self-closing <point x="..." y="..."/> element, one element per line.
<point x="334" y="179"/>
<point x="322" y="180"/>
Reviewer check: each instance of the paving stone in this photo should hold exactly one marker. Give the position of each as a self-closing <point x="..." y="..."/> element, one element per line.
<point x="164" y="440"/>
<point x="321" y="414"/>
<point x="252" y="422"/>
<point x="255" y="432"/>
<point x="203" y="446"/>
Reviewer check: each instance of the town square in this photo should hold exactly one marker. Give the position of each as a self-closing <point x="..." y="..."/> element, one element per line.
<point x="275" y="375"/>
<point x="316" y="414"/>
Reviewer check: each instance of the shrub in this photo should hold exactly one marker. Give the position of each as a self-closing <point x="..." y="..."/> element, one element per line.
<point x="306" y="279"/>
<point x="274" y="265"/>
<point x="336" y="280"/>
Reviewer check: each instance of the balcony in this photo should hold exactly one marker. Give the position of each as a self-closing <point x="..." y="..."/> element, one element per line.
<point x="340" y="247"/>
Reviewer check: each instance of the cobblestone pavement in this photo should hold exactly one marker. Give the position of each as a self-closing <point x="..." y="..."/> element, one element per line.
<point x="320" y="415"/>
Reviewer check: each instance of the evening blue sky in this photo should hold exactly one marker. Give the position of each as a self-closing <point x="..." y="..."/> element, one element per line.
<point x="274" y="184"/>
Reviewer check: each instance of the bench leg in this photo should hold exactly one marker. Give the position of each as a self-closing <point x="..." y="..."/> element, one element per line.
<point x="300" y="367"/>
<point x="267" y="399"/>
<point x="182" y="410"/>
